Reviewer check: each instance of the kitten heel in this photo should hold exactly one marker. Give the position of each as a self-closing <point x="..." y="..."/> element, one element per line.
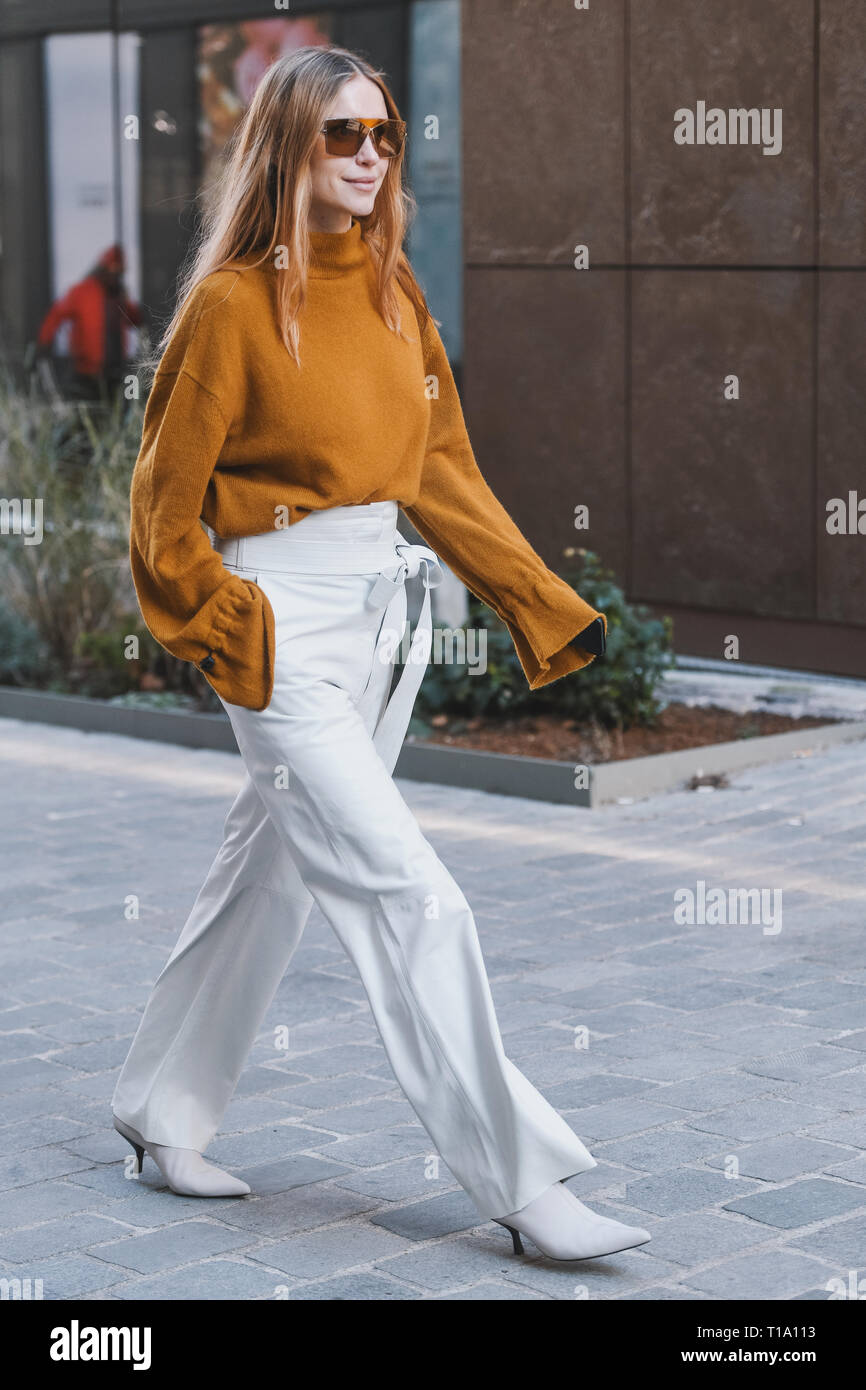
<point x="515" y="1239"/>
<point x="128" y="1133"/>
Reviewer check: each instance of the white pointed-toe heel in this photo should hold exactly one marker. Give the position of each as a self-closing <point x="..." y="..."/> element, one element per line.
<point x="564" y="1229"/>
<point x="186" y="1171"/>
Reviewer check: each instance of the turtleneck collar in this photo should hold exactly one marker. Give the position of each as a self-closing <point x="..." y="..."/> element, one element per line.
<point x="335" y="253"/>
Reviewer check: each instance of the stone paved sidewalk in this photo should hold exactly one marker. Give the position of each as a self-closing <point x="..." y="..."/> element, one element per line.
<point x="744" y="688"/>
<point x="723" y="1090"/>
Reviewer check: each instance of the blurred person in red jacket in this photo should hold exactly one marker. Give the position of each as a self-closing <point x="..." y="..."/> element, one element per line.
<point x="101" y="314"/>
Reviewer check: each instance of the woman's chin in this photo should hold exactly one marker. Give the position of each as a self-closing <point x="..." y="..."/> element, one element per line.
<point x="360" y="203"/>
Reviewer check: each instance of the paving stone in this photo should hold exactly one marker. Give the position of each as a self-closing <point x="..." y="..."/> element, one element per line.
<point x="55" y="1237"/>
<point x="576" y="1280"/>
<point x="690" y="1000"/>
<point x="599" y="997"/>
<point x="838" y="1018"/>
<point x="437" y="1216"/>
<point x="23" y="1044"/>
<point x="643" y="1043"/>
<point x="697" y="1238"/>
<point x="816" y="1295"/>
<point x="774" y="1160"/>
<point x="842" y="1243"/>
<point x="394" y="1182"/>
<point x="675" y="1065"/>
<point x="210" y="1279"/>
<point x="450" y="1263"/>
<point x="300" y="1209"/>
<point x="622" y="1018"/>
<point x="98" y="1087"/>
<point x="371" y="1150"/>
<point x="657" y="1293"/>
<point x="27" y="1074"/>
<point x="774" y="1274"/>
<point x="855" y="1041"/>
<point x="70" y="1276"/>
<point x="327" y="1032"/>
<point x="91" y="1027"/>
<point x="757" y="1119"/>
<point x="100" y="1146"/>
<point x="727" y="1088"/>
<point x="26" y="1105"/>
<point x="778" y="1043"/>
<point x="178" y="1244"/>
<point x="516" y="1017"/>
<point x="489" y="1293"/>
<point x="340" y="1091"/>
<point x="256" y="1079"/>
<point x="267" y="1142"/>
<point x="659" y="1150"/>
<point x="653" y="978"/>
<point x="728" y="1018"/>
<point x="253" y="1112"/>
<point x="337" y="1061"/>
<point x="822" y="994"/>
<point x="800" y="1203"/>
<point x="604" y="1177"/>
<point x="319" y="1253"/>
<point x="853" y="1170"/>
<point x="548" y="1069"/>
<point x="821" y="1060"/>
<point x="36" y="1165"/>
<point x="97" y="1056"/>
<point x="586" y="1091"/>
<point x="543" y="1037"/>
<point x="686" y="1189"/>
<point x="361" y="1119"/>
<point x="287" y="1173"/>
<point x="147" y="1200"/>
<point x="620" y="1117"/>
<point x="517" y="989"/>
<point x="41" y="1131"/>
<point x="844" y="1129"/>
<point x="354" y="1288"/>
<point x="24" y="1206"/>
<point x="840" y="1093"/>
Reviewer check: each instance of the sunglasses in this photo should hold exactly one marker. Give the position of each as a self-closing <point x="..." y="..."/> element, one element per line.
<point x="345" y="135"/>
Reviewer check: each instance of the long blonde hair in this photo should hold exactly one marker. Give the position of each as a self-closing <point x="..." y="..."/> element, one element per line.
<point x="262" y="198"/>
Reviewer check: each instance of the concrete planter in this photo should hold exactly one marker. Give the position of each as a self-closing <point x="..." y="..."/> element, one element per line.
<point x="539" y="779"/>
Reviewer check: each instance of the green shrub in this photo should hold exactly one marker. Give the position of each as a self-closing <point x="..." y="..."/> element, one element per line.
<point x="76" y="461"/>
<point x="101" y="667"/>
<point x="23" y="656"/>
<point x="616" y="690"/>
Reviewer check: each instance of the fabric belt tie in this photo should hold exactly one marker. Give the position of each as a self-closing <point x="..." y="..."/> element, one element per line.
<point x="396" y="560"/>
<point x="389" y="591"/>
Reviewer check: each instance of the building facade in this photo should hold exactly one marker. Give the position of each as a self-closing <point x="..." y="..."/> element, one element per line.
<point x="642" y="224"/>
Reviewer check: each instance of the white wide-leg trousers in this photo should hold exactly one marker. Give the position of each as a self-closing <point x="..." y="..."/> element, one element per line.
<point x="320" y="819"/>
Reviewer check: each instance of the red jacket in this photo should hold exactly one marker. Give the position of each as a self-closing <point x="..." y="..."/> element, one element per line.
<point x="85" y="305"/>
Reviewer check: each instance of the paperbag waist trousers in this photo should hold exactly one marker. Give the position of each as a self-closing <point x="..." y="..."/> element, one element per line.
<point x="319" y="819"/>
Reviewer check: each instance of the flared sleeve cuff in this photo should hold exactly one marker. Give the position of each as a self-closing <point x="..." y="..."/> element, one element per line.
<point x="546" y="632"/>
<point x="230" y="639"/>
<point x="238" y="641"/>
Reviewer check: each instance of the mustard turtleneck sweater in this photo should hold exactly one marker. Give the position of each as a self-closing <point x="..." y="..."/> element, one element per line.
<point x="236" y="434"/>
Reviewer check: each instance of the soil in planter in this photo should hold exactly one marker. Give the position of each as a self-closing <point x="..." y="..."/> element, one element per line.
<point x="551" y="736"/>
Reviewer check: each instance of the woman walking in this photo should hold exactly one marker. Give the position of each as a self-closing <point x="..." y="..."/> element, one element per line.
<point x="303" y="395"/>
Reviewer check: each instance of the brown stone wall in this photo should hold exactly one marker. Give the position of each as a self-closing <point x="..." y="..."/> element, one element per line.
<point x="605" y="387"/>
